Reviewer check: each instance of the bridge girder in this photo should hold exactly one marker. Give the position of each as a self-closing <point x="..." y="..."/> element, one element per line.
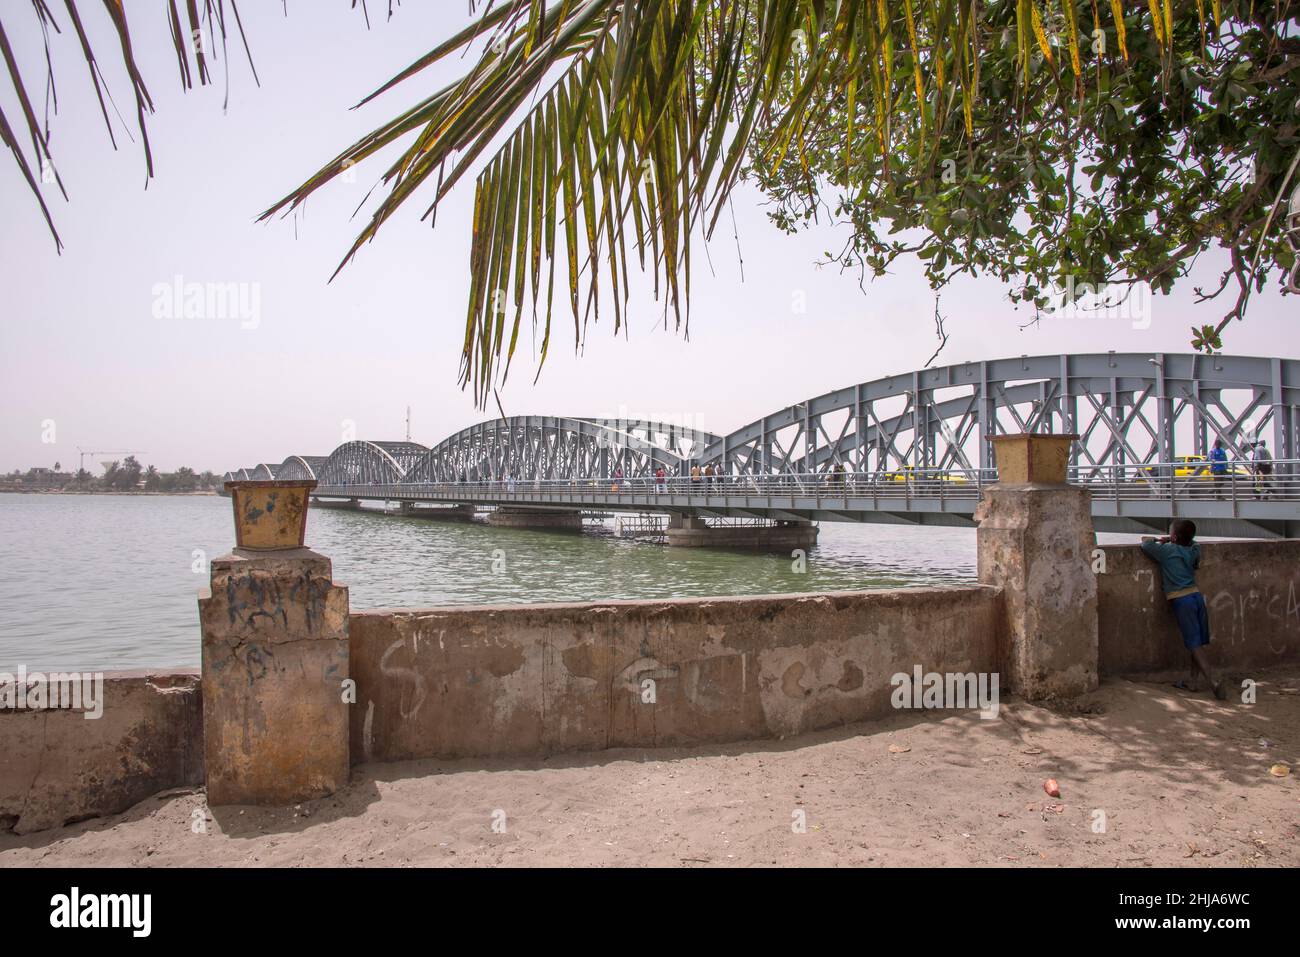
<point x="1128" y="408"/>
<point x="370" y="463"/>
<point x="557" y="447"/>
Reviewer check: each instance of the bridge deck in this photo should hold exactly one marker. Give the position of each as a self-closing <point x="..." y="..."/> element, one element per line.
<point x="1233" y="507"/>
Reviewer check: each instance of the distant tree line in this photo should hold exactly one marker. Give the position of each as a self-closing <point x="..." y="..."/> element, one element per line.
<point x="126" y="475"/>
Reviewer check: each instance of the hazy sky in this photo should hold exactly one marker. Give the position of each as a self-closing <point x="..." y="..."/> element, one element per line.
<point x="81" y="346"/>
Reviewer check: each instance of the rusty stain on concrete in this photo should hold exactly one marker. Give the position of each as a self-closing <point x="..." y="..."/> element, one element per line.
<point x="790" y="685"/>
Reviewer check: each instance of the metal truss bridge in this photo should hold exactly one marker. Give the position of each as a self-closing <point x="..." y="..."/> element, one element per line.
<point x="913" y="448"/>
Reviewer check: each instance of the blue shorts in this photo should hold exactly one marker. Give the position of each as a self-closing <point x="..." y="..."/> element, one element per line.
<point x="1193" y="620"/>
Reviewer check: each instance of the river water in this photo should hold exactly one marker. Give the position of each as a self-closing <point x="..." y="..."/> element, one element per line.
<point x="98" y="582"/>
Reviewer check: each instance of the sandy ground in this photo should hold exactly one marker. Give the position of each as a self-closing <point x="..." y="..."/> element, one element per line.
<point x="1181" y="780"/>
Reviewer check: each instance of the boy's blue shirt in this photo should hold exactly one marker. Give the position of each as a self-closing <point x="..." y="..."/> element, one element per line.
<point x="1219" y="462"/>
<point x="1178" y="563"/>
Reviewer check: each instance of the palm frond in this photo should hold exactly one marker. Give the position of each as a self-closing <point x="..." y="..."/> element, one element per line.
<point x="196" y="30"/>
<point x="643" y="120"/>
<point x="592" y="126"/>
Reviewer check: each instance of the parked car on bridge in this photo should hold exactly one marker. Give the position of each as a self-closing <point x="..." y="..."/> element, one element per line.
<point x="1192" y="467"/>
<point x="913" y="473"/>
<point x="1191" y="473"/>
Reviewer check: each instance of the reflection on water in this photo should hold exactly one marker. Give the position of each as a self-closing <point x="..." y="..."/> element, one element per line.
<point x="100" y="581"/>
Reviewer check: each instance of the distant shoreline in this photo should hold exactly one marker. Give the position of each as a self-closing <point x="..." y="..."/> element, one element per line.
<point x="91" y="491"/>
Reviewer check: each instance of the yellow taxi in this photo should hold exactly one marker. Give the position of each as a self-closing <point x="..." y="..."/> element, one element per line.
<point x="1195" y="468"/>
<point x="911" y="473"/>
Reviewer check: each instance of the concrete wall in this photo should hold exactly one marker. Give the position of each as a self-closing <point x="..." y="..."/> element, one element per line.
<point x="458" y="682"/>
<point x="57" y="767"/>
<point x="1253" y="592"/>
<point x="534" y="679"/>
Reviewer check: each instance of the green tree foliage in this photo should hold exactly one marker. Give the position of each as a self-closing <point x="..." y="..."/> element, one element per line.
<point x="1110" y="156"/>
<point x="126" y="476"/>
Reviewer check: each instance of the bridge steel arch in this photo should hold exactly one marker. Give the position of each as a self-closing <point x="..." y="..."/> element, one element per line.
<point x="555" y="447"/>
<point x="1127" y="408"/>
<point x="370" y="463"/>
<point x="300" y="467"/>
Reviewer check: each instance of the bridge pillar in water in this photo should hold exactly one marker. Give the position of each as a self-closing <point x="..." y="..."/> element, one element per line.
<point x="354" y="504"/>
<point x="553" y="519"/>
<point x="692" y="531"/>
<point x="1035" y="541"/>
<point x="275" y="656"/>
<point x="446" y="513"/>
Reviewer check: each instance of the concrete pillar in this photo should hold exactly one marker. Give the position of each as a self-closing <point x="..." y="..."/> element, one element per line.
<point x="692" y="531"/>
<point x="275" y="655"/>
<point x="1035" y="541"/>
<point x="353" y="504"/>
<point x="446" y="513"/>
<point x="676" y="520"/>
<point x="555" y="519"/>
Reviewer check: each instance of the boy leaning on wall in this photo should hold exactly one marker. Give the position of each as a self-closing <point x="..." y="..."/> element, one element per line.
<point x="1179" y="556"/>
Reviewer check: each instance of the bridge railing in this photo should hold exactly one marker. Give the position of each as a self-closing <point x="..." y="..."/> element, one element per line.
<point x="902" y="483"/>
<point x="1171" y="481"/>
<point x="1188" y="479"/>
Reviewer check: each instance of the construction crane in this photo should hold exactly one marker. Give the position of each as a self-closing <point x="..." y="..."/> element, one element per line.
<point x="81" y="466"/>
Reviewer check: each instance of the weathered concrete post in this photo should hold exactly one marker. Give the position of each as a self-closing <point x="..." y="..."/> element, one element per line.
<point x="275" y="656"/>
<point x="1035" y="540"/>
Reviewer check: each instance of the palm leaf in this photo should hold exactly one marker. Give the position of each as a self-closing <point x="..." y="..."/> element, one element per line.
<point x="193" y="59"/>
<point x="598" y="116"/>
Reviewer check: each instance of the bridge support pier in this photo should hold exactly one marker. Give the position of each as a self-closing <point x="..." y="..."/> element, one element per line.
<point x="1036" y="541"/>
<point x="352" y="504"/>
<point x="691" y="531"/>
<point x="552" y="519"/>
<point x="444" y="513"/>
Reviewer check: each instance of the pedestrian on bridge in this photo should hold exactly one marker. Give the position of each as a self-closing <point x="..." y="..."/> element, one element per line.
<point x="1179" y="556"/>
<point x="661" y="480"/>
<point x="1218" y="467"/>
<point x="1261" y="463"/>
<point x="695" y="474"/>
